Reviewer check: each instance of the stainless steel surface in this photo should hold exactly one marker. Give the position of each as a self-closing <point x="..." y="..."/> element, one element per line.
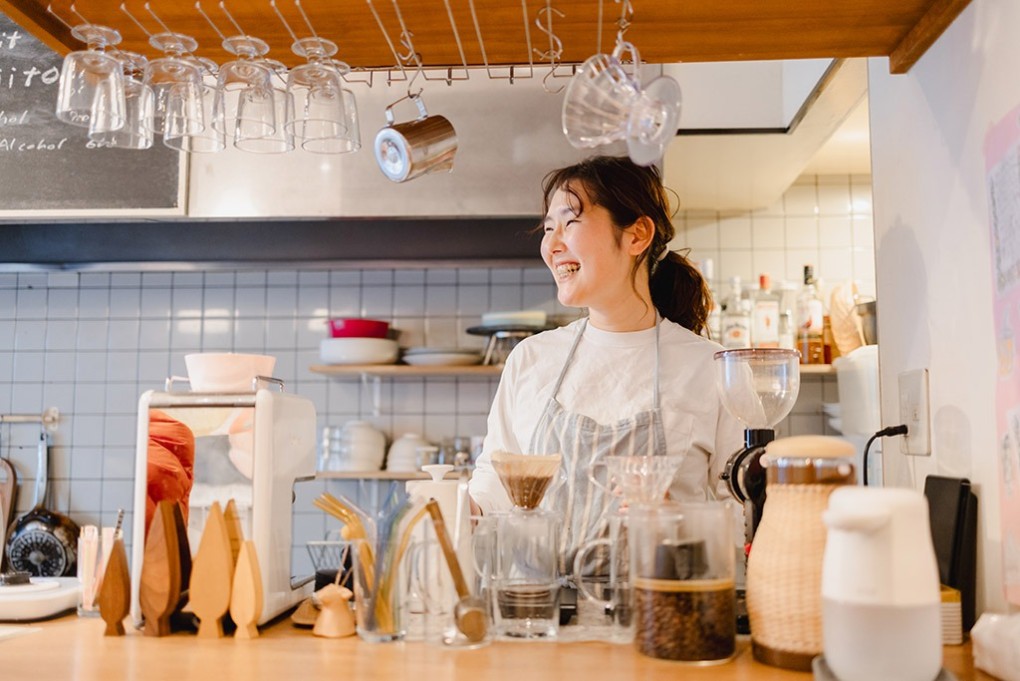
<point x="869" y="321"/>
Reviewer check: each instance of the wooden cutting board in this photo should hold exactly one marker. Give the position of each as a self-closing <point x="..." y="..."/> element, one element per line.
<point x="212" y="575"/>
<point x="246" y="595"/>
<point x="114" y="597"/>
<point x="161" y="571"/>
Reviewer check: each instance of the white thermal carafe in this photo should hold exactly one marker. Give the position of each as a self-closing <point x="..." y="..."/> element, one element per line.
<point x="880" y="587"/>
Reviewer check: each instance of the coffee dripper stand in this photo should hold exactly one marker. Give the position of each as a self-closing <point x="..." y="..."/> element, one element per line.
<point x="759" y="387"/>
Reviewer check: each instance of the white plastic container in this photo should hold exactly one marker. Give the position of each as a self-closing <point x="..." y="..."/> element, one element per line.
<point x="880" y="587"/>
<point x="857" y="383"/>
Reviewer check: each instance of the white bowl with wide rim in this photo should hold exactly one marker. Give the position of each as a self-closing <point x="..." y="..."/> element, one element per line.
<point x="358" y="351"/>
<point x="226" y="372"/>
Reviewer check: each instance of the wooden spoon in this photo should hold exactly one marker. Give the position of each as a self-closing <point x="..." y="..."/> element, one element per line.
<point x="469" y="613"/>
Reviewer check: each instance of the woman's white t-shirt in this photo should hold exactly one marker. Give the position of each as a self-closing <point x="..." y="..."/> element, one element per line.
<point x="611" y="377"/>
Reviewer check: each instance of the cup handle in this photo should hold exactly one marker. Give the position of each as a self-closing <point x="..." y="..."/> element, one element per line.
<point x="579" y="559"/>
<point x="623" y="47"/>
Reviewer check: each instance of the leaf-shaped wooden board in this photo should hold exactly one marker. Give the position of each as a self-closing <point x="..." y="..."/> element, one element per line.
<point x="233" y="521"/>
<point x="161" y="571"/>
<point x="114" y="597"/>
<point x="246" y="595"/>
<point x="211" y="575"/>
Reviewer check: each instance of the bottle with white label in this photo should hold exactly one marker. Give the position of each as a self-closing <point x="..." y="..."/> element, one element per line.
<point x="736" y="318"/>
<point x="765" y="315"/>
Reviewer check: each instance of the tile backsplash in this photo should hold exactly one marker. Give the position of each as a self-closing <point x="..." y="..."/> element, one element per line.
<point x="91" y="342"/>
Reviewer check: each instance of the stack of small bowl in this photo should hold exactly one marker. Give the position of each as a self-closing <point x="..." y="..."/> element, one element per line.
<point x="354" y="340"/>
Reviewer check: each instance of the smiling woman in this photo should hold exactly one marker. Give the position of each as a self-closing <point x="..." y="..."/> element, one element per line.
<point x="633" y="377"/>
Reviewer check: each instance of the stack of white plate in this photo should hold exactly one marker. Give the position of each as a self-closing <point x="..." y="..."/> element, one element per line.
<point x="535" y="318"/>
<point x="425" y="356"/>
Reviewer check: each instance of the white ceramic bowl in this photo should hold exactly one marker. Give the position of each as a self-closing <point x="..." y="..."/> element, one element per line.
<point x="358" y="351"/>
<point x="226" y="372"/>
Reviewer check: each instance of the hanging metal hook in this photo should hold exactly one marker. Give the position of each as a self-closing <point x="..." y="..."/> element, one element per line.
<point x="159" y="21"/>
<point x="555" y="44"/>
<point x="237" y="26"/>
<point x="49" y="8"/>
<point x="546" y="77"/>
<point x="286" y="24"/>
<point x="625" y="20"/>
<point x="124" y="9"/>
<point x="75" y="12"/>
<point x="198" y="6"/>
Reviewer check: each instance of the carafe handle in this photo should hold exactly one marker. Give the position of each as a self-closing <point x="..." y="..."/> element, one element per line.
<point x="579" y="561"/>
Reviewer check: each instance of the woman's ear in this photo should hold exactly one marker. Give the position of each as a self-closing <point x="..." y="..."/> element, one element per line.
<point x="639" y="236"/>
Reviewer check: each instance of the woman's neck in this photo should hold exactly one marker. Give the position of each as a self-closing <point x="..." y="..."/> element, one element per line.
<point x="636" y="314"/>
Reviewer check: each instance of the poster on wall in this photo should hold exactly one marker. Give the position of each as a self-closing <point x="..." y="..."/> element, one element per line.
<point x="1002" y="172"/>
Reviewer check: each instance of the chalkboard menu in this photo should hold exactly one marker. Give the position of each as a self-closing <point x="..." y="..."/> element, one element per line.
<point x="49" y="165"/>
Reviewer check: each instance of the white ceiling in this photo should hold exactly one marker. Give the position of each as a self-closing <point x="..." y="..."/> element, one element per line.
<point x="848" y="150"/>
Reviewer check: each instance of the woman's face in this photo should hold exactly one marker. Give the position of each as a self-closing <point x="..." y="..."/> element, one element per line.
<point x="586" y="253"/>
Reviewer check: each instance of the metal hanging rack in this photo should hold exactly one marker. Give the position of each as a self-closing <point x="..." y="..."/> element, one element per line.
<point x="48" y="418"/>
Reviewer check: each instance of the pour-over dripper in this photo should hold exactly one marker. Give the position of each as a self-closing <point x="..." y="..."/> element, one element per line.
<point x="526" y="477"/>
<point x="642" y="479"/>
<point x="758" y="386"/>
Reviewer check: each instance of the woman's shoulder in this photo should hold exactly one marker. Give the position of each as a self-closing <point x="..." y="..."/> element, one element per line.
<point x="677" y="335"/>
<point x="543" y="343"/>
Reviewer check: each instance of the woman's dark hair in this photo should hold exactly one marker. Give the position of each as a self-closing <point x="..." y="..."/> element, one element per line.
<point x="629" y="191"/>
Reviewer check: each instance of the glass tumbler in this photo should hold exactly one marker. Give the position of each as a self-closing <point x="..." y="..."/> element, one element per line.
<point x="91" y="85"/>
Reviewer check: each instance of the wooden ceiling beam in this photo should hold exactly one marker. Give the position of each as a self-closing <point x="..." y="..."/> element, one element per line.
<point x="924" y="33"/>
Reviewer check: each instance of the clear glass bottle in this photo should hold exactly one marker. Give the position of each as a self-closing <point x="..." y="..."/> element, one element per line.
<point x="810" y="313"/>
<point x="736" y="318"/>
<point x="765" y="315"/>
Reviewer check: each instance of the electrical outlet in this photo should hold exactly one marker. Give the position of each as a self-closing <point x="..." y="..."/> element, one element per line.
<point x="914" y="412"/>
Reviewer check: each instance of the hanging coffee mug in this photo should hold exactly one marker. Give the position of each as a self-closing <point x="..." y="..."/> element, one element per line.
<point x="406" y="150"/>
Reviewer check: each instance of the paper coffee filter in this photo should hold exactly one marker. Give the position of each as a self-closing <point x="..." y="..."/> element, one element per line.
<point x="525" y="477"/>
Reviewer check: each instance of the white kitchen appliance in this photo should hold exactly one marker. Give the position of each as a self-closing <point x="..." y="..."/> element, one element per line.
<point x="880" y="586"/>
<point x="252" y="447"/>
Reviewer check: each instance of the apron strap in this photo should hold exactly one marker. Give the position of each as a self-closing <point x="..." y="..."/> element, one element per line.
<point x="570" y="356"/>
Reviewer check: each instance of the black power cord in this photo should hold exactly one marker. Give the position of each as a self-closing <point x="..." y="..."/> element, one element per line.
<point x="891" y="430"/>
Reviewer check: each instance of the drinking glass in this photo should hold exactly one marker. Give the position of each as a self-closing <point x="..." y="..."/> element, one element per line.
<point x="244" y="89"/>
<point x="178" y="132"/>
<point x="253" y="137"/>
<point x="605" y="596"/>
<point x="381" y="601"/>
<point x="176" y="82"/>
<point x="320" y="120"/>
<point x="91" y="86"/>
<point x="136" y="133"/>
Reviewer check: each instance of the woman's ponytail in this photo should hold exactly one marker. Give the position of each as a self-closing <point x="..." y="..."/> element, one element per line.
<point x="680" y="293"/>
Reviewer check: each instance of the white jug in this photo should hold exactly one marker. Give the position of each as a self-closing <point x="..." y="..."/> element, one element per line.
<point x="880" y="587"/>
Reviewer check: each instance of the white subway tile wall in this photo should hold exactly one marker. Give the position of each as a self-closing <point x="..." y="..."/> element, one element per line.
<point x="90" y="343"/>
<point x="822" y="220"/>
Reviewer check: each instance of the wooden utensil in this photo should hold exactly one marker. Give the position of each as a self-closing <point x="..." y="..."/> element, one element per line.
<point x="115" y="592"/>
<point x="183" y="548"/>
<point x="246" y="594"/>
<point x="8" y="488"/>
<point x="161" y="571"/>
<point x="212" y="575"/>
<point x="469" y="613"/>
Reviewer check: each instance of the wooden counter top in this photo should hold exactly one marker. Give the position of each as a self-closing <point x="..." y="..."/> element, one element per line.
<point x="73" y="648"/>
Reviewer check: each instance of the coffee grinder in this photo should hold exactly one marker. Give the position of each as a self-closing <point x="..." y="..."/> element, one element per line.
<point x="759" y="387"/>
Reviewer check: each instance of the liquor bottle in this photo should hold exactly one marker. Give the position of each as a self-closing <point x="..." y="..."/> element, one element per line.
<point x="736" y="318"/>
<point x="765" y="315"/>
<point x="810" y="312"/>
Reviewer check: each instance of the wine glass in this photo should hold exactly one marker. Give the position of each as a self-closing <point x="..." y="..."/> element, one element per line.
<point x="136" y="132"/>
<point x="91" y="86"/>
<point x="179" y="134"/>
<point x="245" y="89"/>
<point x="176" y="82"/>
<point x="320" y="121"/>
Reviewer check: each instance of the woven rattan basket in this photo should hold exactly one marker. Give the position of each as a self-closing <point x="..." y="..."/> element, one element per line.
<point x="784" y="568"/>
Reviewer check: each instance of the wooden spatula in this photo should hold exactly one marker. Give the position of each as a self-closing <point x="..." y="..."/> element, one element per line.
<point x="211" y="575"/>
<point x="246" y="595"/>
<point x="115" y="592"/>
<point x="161" y="571"/>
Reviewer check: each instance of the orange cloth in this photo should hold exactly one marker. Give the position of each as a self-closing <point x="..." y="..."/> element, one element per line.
<point x="171" y="464"/>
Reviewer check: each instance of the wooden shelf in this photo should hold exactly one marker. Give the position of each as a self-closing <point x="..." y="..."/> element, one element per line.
<point x="816" y="369"/>
<point x="403" y="370"/>
<point x="379" y="475"/>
